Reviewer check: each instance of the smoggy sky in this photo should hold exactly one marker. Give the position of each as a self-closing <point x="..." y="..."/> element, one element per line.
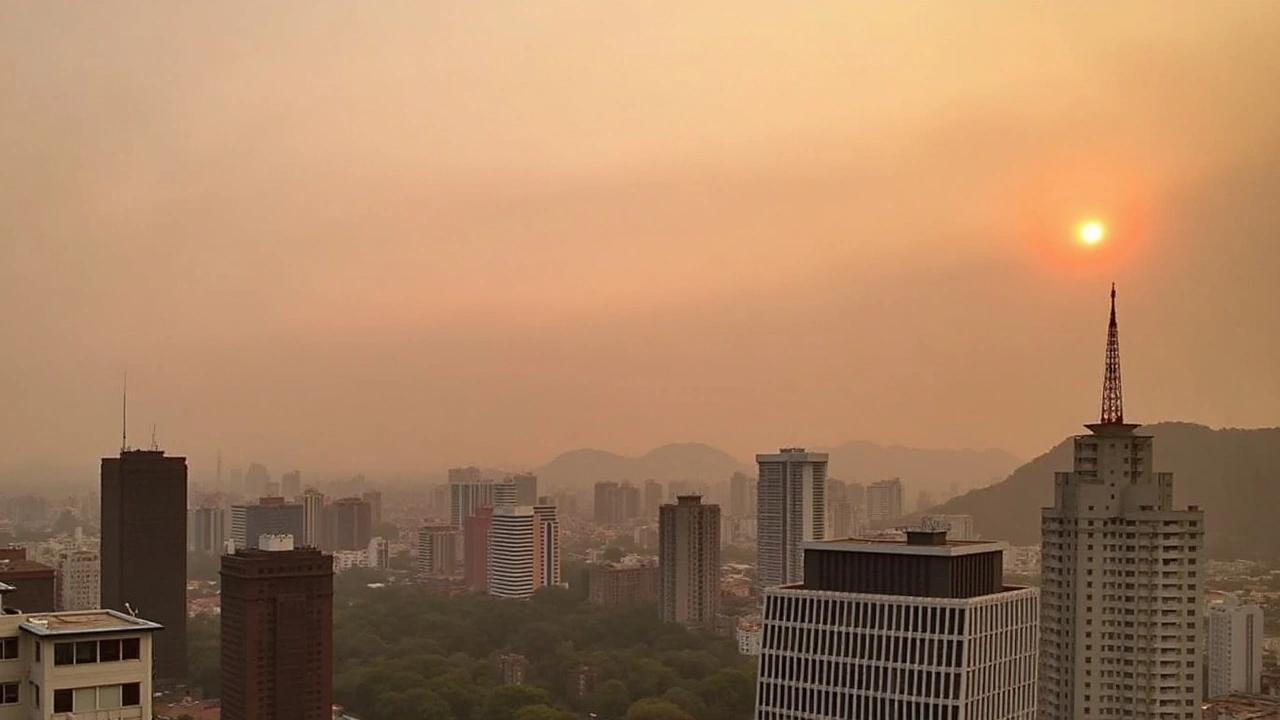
<point x="401" y="236"/>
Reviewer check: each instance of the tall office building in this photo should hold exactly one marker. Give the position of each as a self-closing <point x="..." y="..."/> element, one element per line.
<point x="348" y="524"/>
<point x="1120" y="635"/>
<point x="277" y="632"/>
<point x="742" y="496"/>
<point x="437" y="550"/>
<point x="144" y="548"/>
<point x="291" y="485"/>
<point x="791" y="509"/>
<point x="616" y="503"/>
<point x="916" y="628"/>
<point x="468" y="491"/>
<point x="79" y="582"/>
<point x="1234" y="640"/>
<point x="689" y="561"/>
<point x="271" y="516"/>
<point x="475" y="534"/>
<point x="207" y="530"/>
<point x="652" y="497"/>
<point x="374" y="498"/>
<point x="524" y="551"/>
<point x="257" y="480"/>
<point x="884" y="503"/>
<point x="526" y="485"/>
<point x="312" y="518"/>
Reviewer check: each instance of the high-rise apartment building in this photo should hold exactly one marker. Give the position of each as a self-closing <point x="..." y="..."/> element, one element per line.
<point x="526" y="485"/>
<point x="916" y="628"/>
<point x="616" y="503"/>
<point x="524" y="551"/>
<point x="467" y="492"/>
<point x="79" y="580"/>
<point x="689" y="561"/>
<point x="257" y="480"/>
<point x="271" y="516"/>
<point x="1234" y="647"/>
<point x="791" y="509"/>
<point x="1120" y="627"/>
<point x="277" y="633"/>
<point x="348" y="524"/>
<point x="475" y="534"/>
<point x="623" y="583"/>
<point x="652" y="498"/>
<point x="208" y="529"/>
<point x="144" y="548"/>
<point x="742" y="496"/>
<point x="291" y="485"/>
<point x="884" y="503"/>
<point x="312" y="518"/>
<point x="374" y="498"/>
<point x="437" y="550"/>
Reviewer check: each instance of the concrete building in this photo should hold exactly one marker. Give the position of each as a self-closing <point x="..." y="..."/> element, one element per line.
<point x="623" y="583"/>
<point x="957" y="527"/>
<point x="86" y="664"/>
<point x="1120" y="628"/>
<point x="208" y="529"/>
<point x="468" y="491"/>
<point x="291" y="486"/>
<point x="615" y="503"/>
<point x="374" y="499"/>
<point x="270" y="516"/>
<point x="652" y="498"/>
<point x="742" y="496"/>
<point x="277" y="632"/>
<point x="1234" y="648"/>
<point x="348" y="524"/>
<point x="312" y="517"/>
<point x="884" y="503"/>
<point x="437" y="551"/>
<point x="791" y="509"/>
<point x="79" y="580"/>
<point x="144" y="548"/>
<point x="475" y="534"/>
<point x="34" y="584"/>
<point x="524" y="551"/>
<point x="915" y="628"/>
<point x="689" y="561"/>
<point x="526" y="488"/>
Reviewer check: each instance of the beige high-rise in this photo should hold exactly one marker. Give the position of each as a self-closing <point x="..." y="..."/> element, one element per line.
<point x="1121" y="574"/>
<point x="689" y="561"/>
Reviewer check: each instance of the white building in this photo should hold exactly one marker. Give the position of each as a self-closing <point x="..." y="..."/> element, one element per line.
<point x="748" y="637"/>
<point x="916" y="628"/>
<point x="791" y="509"/>
<point x="884" y="503"/>
<point x="79" y="580"/>
<point x="958" y="527"/>
<point x="524" y="550"/>
<point x="438" y="551"/>
<point x="1234" y="643"/>
<point x="81" y="665"/>
<point x="1120" y="629"/>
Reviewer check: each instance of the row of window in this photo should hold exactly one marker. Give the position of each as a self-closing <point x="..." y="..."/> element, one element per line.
<point x="66" y="700"/>
<point x="95" y="651"/>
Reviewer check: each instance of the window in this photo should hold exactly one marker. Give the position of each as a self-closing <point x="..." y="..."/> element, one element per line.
<point x="9" y="648"/>
<point x="9" y="693"/>
<point x="64" y="653"/>
<point x="131" y="694"/>
<point x="86" y="652"/>
<point x="62" y="700"/>
<point x="108" y="651"/>
<point x="131" y="648"/>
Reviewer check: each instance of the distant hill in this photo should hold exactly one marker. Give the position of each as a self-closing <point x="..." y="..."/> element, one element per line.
<point x="1233" y="475"/>
<point x="683" y="461"/>
<point x="920" y="468"/>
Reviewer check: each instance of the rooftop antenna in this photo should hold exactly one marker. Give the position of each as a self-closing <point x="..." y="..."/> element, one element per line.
<point x="1112" y="397"/>
<point x="132" y="610"/>
<point x="154" y="445"/>
<point x="124" y="415"/>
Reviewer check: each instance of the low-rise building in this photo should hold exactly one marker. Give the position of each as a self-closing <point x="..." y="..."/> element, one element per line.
<point x="623" y="583"/>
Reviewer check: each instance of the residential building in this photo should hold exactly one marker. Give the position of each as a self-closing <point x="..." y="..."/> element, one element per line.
<point x="34" y="583"/>
<point x="1120" y="627"/>
<point x="742" y="495"/>
<point x="208" y="529"/>
<point x="524" y="551"/>
<point x="623" y="583"/>
<point x="374" y="498"/>
<point x="437" y="551"/>
<point x="348" y="524"/>
<point x="277" y="632"/>
<point x="271" y="516"/>
<point x="467" y="492"/>
<point x="791" y="509"/>
<point x="689" y="561"/>
<point x="921" y="627"/>
<point x="291" y="485"/>
<point x="144" y="548"/>
<point x="884" y="503"/>
<point x="616" y="503"/>
<point x="1234" y="642"/>
<point x="79" y="580"/>
<point x="652" y="498"/>
<point x="312" y="518"/>
<point x="957" y="527"/>
<point x="475" y="534"/>
<point x="526" y="485"/>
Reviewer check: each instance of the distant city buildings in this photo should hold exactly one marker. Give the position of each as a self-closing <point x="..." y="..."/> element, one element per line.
<point x="652" y="498"/>
<point x="791" y="510"/>
<point x="270" y="516"/>
<point x="623" y="583"/>
<point x="616" y="503"/>
<point x="524" y="551"/>
<point x="291" y="485"/>
<point x="526" y="488"/>
<point x="1234" y="647"/>
<point x="312" y="518"/>
<point x="33" y="585"/>
<point x="79" y="580"/>
<point x="277" y="632"/>
<point x="742" y="496"/>
<point x="689" y="561"/>
<point x="208" y="529"/>
<point x="916" y="628"/>
<point x="957" y="527"/>
<point x="348" y="524"/>
<point x="884" y="503"/>
<point x="144" y="543"/>
<point x="438" y="551"/>
<point x="475" y="534"/>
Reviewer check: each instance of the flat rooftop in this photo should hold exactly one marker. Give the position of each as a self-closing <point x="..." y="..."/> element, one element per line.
<point x="904" y="546"/>
<point x="81" y="622"/>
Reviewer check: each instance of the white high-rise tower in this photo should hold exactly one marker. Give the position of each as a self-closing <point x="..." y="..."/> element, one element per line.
<point x="1120" y="627"/>
<point x="1234" y="647"/>
<point x="791" y="509"/>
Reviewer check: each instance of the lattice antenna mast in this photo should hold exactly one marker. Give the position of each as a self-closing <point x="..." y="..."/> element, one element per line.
<point x="124" y="415"/>
<point x="1112" y="396"/>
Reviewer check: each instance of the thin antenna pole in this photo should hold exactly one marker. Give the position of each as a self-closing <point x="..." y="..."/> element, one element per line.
<point x="124" y="415"/>
<point x="154" y="444"/>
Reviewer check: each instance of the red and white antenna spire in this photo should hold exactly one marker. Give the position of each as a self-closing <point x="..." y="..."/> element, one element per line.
<point x="1112" y="396"/>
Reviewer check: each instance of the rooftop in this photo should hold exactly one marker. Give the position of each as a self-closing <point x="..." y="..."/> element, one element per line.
<point x="913" y="543"/>
<point x="79" y="622"/>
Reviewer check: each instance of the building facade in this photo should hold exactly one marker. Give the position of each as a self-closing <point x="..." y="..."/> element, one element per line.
<point x="79" y="585"/>
<point x="791" y="509"/>
<point x="689" y="561"/>
<point x="437" y="551"/>
<point x="144" y="548"/>
<point x="958" y="527"/>
<point x="475" y="535"/>
<point x="1234" y="648"/>
<point x="312" y="518"/>
<point x="742" y="496"/>
<point x="34" y="584"/>
<point x="914" y="628"/>
<point x="271" y="516"/>
<point x="622" y="584"/>
<point x="208" y="529"/>
<point x="1121" y="634"/>
<point x="348" y="524"/>
<point x="615" y="503"/>
<point x="884" y="503"/>
<point x="277" y="633"/>
<point x="524" y="551"/>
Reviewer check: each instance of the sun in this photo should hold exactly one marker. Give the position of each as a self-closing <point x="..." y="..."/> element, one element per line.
<point x="1091" y="232"/>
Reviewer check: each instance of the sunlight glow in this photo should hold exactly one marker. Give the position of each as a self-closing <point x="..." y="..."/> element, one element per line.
<point x="1092" y="232"/>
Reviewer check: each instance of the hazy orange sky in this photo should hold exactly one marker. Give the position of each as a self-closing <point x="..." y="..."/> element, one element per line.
<point x="401" y="236"/>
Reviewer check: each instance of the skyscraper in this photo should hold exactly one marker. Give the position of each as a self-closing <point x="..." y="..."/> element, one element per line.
<point x="144" y="548"/>
<point x="916" y="628"/>
<point x="1234" y="645"/>
<point x="291" y="485"/>
<point x="468" y="491"/>
<point x="374" y="498"/>
<point x="884" y="503"/>
<point x="207" y="530"/>
<point x="475" y="533"/>
<point x="348" y="524"/>
<point x="791" y="509"/>
<point x="437" y="550"/>
<point x="1120" y="635"/>
<point x="616" y="503"/>
<point x="689" y="561"/>
<point x="652" y="497"/>
<point x="312" y="518"/>
<point x="526" y="485"/>
<point x="524" y="551"/>
<point x="277" y="633"/>
<point x="742" y="495"/>
<point x="270" y="516"/>
<point x="79" y="580"/>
